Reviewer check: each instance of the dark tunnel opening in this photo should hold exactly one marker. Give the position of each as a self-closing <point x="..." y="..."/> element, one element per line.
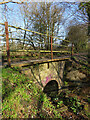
<point x="51" y="88"/>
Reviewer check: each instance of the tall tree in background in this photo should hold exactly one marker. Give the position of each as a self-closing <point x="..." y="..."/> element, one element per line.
<point x="46" y="18"/>
<point x="78" y="36"/>
<point x="85" y="7"/>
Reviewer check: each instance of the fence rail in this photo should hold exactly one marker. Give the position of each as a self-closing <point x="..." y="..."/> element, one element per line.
<point x="35" y="33"/>
<point x="42" y="51"/>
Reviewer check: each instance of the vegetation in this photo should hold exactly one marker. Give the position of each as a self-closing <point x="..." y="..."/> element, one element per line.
<point x="85" y="7"/>
<point x="22" y="98"/>
<point x="78" y="37"/>
<point x="82" y="64"/>
<point x="44" y="18"/>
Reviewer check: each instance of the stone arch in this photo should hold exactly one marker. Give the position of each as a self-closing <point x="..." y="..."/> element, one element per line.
<point x="51" y="88"/>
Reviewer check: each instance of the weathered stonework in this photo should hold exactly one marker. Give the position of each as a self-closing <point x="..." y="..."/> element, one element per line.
<point x="44" y="73"/>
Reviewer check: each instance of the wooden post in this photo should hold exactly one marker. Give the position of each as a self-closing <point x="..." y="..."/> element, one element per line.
<point x="7" y="44"/>
<point x="4" y="49"/>
<point x="51" y="49"/>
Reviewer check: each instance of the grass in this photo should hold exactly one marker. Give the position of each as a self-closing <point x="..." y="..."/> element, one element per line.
<point x="73" y="103"/>
<point x="22" y="98"/>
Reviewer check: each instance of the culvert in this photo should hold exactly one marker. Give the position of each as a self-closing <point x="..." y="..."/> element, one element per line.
<point x="51" y="88"/>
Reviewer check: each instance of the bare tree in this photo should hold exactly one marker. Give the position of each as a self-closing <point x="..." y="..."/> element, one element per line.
<point x="44" y="18"/>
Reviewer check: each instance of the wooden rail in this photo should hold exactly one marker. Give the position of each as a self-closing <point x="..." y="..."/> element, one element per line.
<point x="32" y="62"/>
<point x="40" y="51"/>
<point x="35" y="32"/>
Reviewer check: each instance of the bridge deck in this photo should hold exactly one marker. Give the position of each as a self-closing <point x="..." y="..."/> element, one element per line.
<point x="31" y="62"/>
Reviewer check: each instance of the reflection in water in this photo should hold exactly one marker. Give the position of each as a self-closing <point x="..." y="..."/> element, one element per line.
<point x="51" y="89"/>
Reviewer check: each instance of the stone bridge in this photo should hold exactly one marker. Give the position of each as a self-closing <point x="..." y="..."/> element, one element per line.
<point x="46" y="72"/>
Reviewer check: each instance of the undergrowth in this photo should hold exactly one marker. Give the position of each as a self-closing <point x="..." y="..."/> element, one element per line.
<point x="22" y="98"/>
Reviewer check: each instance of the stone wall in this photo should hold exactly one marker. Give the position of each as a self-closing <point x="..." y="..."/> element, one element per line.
<point x="44" y="73"/>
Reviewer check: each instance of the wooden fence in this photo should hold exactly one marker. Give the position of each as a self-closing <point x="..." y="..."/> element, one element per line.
<point x="8" y="49"/>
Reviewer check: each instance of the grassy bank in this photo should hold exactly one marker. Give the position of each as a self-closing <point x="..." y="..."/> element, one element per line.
<point x="22" y="98"/>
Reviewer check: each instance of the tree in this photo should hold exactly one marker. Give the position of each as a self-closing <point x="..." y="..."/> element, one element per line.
<point x="78" y="36"/>
<point x="85" y="7"/>
<point x="44" y="18"/>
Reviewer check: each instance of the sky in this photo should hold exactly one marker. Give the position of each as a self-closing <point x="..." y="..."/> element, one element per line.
<point x="14" y="16"/>
<point x="62" y="0"/>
